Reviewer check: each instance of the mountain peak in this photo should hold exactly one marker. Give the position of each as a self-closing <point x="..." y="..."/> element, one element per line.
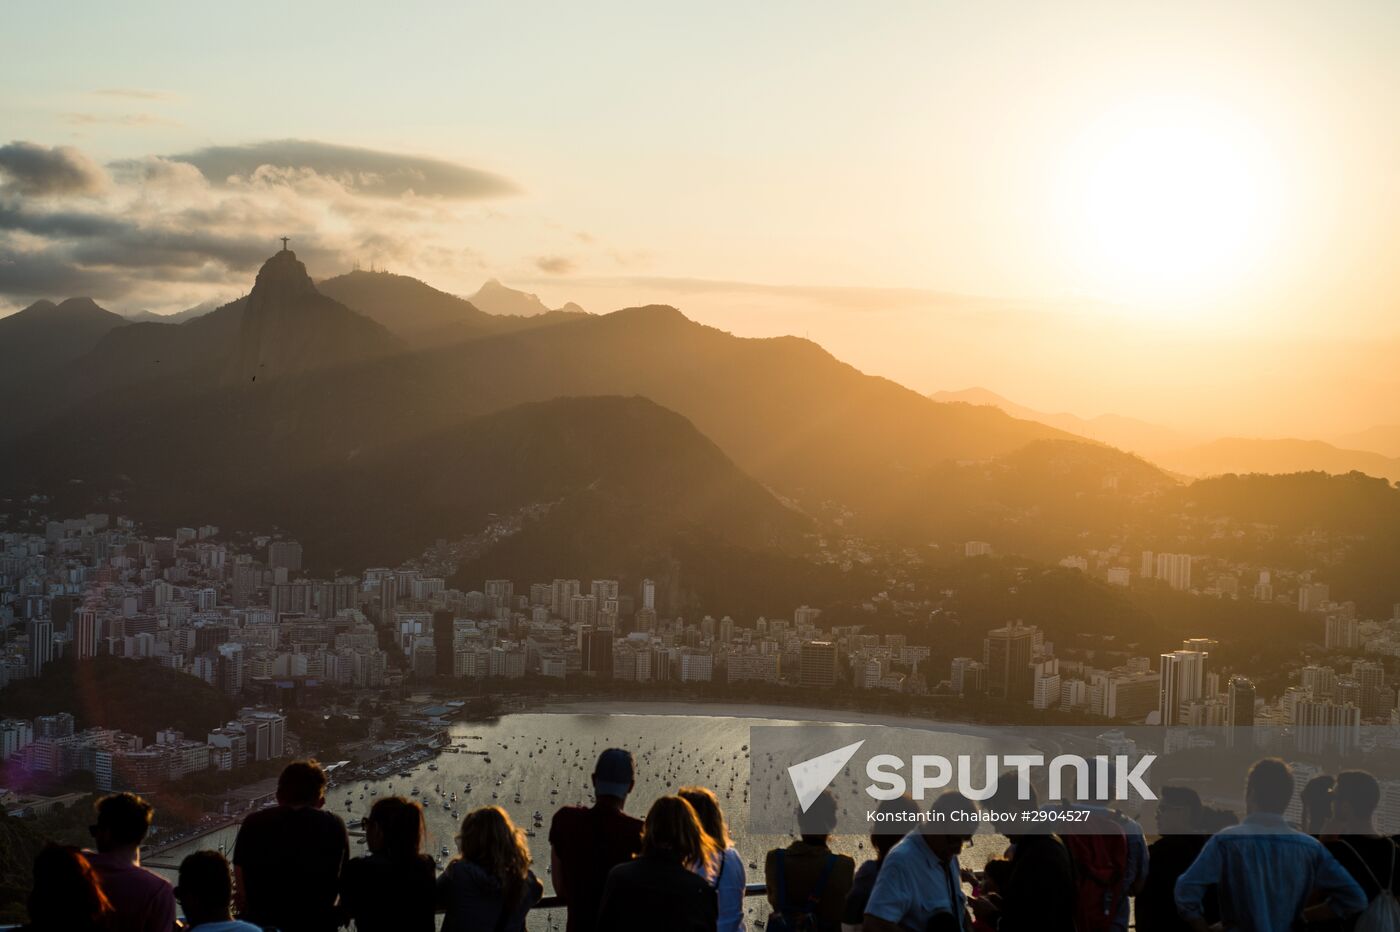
<point x="288" y="326"/>
<point x="284" y="275"/>
<point x="493" y="297"/>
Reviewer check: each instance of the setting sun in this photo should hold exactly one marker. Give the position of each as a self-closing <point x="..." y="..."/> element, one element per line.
<point x="1168" y="202"/>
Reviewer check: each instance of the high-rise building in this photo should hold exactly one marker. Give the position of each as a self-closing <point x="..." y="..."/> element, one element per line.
<point x="1341" y="632"/>
<point x="817" y="664"/>
<point x="1007" y="653"/>
<point x="85" y="634"/>
<point x="1183" y="674"/>
<point x="1313" y="597"/>
<point x="1319" y="682"/>
<point x="40" y="645"/>
<point x="648" y="595"/>
<point x="1175" y="570"/>
<point x="561" y="597"/>
<point x="597" y="647"/>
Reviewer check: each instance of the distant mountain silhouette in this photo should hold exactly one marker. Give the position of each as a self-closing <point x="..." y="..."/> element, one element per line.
<point x="800" y="421"/>
<point x="1383" y="439"/>
<point x="288" y="327"/>
<point x="39" y="345"/>
<point x="1126" y="433"/>
<point x="495" y="298"/>
<point x="420" y="314"/>
<point x="177" y="317"/>
<point x="1285" y="455"/>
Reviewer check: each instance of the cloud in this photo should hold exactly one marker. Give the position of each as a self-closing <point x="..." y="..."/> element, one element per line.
<point x="364" y="171"/>
<point x="167" y="233"/>
<point x="555" y="265"/>
<point x="119" y="119"/>
<point x="36" y="170"/>
<point x="133" y="93"/>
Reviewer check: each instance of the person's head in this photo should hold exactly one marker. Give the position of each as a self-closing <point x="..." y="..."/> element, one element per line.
<point x="706" y="805"/>
<point x="492" y="842"/>
<point x="302" y="784"/>
<point x="1269" y="787"/>
<point x="614" y="776"/>
<point x="204" y="887"/>
<point x="901" y="816"/>
<point x="1355" y="797"/>
<point x="1317" y="803"/>
<point x="672" y="830"/>
<point x="1179" y="810"/>
<point x="1005" y="803"/>
<point x="123" y="820"/>
<point x="956" y="819"/>
<point x="818" y="821"/>
<point x="395" y="828"/>
<point x="67" y="894"/>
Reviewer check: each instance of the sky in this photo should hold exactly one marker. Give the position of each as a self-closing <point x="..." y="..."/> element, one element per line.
<point x="1184" y="212"/>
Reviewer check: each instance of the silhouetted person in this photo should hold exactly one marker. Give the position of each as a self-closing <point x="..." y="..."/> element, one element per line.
<point x="900" y="815"/>
<point x="1181" y="822"/>
<point x="727" y="873"/>
<point x="143" y="901"/>
<point x="663" y="888"/>
<point x="1372" y="859"/>
<point x="67" y="895"/>
<point x="806" y="879"/>
<point x="1317" y="804"/>
<point x="920" y="883"/>
<point x="289" y="858"/>
<point x="391" y="888"/>
<point x="1109" y="854"/>
<point x="490" y="884"/>
<point x="586" y="843"/>
<point x="206" y="894"/>
<point x="1264" y="868"/>
<point x="1035" y="885"/>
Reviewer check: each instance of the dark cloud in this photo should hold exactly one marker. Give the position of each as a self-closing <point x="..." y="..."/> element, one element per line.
<point x="555" y="265"/>
<point x="50" y="274"/>
<point x="36" y="170"/>
<point x="63" y="223"/>
<point x="366" y="171"/>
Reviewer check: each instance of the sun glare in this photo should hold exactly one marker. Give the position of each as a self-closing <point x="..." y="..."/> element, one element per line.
<point x="1167" y="204"/>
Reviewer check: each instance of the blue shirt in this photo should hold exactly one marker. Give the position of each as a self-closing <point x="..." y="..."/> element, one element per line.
<point x="730" y="882"/>
<point x="913" y="886"/>
<point x="1266" y="871"/>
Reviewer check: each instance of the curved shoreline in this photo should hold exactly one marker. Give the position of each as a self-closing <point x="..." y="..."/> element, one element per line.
<point x="743" y="710"/>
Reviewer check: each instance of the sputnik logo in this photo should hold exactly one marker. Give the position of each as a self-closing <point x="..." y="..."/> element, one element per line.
<point x="811" y="776"/>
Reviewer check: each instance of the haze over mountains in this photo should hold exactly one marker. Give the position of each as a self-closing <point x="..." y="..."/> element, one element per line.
<point x="1375" y="452"/>
<point x="372" y="414"/>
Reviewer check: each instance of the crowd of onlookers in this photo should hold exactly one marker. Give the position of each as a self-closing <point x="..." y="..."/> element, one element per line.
<point x="677" y="870"/>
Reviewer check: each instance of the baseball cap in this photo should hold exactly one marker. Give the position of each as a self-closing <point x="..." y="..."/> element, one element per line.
<point x="614" y="774"/>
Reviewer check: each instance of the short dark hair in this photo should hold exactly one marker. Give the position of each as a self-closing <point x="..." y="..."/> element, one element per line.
<point x="903" y="813"/>
<point x="1007" y="795"/>
<point x="1271" y="784"/>
<point x="818" y="819"/>
<point x="400" y="827"/>
<point x="204" y="877"/>
<point x="124" y="818"/>
<point x="1183" y="797"/>
<point x="949" y="803"/>
<point x="302" y="783"/>
<point x="1359" y="790"/>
